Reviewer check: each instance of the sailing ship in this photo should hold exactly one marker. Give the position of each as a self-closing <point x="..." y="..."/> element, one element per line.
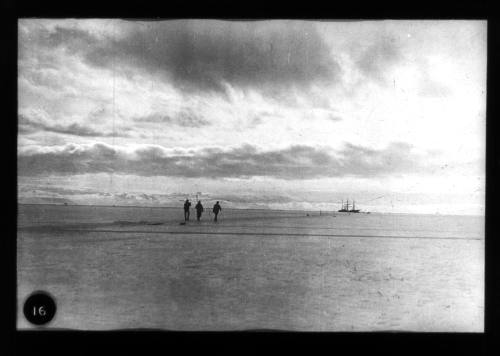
<point x="345" y="207"/>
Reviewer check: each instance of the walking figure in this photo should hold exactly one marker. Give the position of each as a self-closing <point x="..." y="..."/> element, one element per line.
<point x="216" y="210"/>
<point x="187" y="204"/>
<point x="199" y="210"/>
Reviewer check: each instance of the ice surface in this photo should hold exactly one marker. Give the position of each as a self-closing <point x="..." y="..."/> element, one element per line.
<point x="116" y="268"/>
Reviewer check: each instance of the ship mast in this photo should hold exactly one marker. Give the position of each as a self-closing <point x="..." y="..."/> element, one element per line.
<point x="347" y="204"/>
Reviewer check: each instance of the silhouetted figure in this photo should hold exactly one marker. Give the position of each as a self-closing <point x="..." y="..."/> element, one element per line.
<point x="187" y="204"/>
<point x="216" y="210"/>
<point x="199" y="210"/>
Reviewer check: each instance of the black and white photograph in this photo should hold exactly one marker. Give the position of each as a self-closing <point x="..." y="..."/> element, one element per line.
<point x="233" y="175"/>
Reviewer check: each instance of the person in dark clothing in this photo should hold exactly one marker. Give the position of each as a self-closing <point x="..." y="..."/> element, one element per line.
<point x="187" y="204"/>
<point x="216" y="210"/>
<point x="199" y="210"/>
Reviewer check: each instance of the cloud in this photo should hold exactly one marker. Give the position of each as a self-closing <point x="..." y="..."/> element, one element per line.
<point x="433" y="89"/>
<point x="294" y="162"/>
<point x="428" y="86"/>
<point x="204" y="55"/>
<point x="55" y="190"/>
<point x="379" y="57"/>
<point x="185" y="118"/>
<point x="256" y="198"/>
<point x="321" y="114"/>
<point x="334" y="118"/>
<point x="397" y="157"/>
<point x="386" y="53"/>
<point x="36" y="121"/>
<point x="44" y="200"/>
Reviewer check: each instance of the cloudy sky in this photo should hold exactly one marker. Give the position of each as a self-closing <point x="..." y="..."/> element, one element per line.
<point x="279" y="114"/>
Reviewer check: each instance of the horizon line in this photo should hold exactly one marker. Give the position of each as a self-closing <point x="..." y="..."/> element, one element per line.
<point x="270" y="209"/>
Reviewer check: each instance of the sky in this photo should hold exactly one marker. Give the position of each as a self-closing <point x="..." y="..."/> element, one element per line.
<point x="257" y="114"/>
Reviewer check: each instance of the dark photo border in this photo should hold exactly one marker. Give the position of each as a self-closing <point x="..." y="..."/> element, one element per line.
<point x="171" y="342"/>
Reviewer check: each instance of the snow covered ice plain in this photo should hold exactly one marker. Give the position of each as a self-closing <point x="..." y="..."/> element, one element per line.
<point x="131" y="267"/>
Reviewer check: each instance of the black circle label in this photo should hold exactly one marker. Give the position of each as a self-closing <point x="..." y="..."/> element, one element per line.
<point x="39" y="308"/>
